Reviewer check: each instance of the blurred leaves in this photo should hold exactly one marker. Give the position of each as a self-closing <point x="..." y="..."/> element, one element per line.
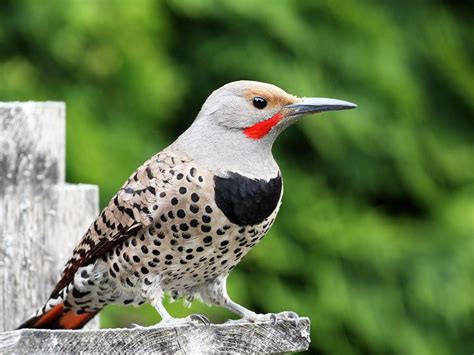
<point x="374" y="240"/>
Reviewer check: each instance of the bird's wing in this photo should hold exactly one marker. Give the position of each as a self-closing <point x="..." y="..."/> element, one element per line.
<point x="143" y="196"/>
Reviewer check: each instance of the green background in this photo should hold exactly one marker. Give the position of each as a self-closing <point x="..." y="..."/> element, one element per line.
<point x="374" y="241"/>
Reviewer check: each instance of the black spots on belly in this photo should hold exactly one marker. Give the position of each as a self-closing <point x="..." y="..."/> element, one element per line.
<point x="174" y="201"/>
<point x="182" y="190"/>
<point x="207" y="239"/>
<point x="246" y="201"/>
<point x="180" y="213"/>
<point x="194" y="197"/>
<point x="77" y="294"/>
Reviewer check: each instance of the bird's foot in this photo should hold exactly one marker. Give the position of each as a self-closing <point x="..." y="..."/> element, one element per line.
<point x="191" y="319"/>
<point x="272" y="317"/>
<point x="285" y="316"/>
<point x="198" y="318"/>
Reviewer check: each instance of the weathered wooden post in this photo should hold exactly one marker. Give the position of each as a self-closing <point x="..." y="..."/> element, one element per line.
<point x="42" y="218"/>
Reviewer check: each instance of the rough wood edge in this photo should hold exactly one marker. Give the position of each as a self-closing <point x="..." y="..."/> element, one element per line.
<point x="230" y="337"/>
<point x="32" y="143"/>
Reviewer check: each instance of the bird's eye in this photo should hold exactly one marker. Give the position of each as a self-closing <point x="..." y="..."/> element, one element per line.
<point x="259" y="102"/>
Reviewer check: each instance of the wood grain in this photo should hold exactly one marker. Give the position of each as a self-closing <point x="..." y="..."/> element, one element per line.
<point x="232" y="337"/>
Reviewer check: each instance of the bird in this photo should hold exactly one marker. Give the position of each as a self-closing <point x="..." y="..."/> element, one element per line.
<point x="188" y="215"/>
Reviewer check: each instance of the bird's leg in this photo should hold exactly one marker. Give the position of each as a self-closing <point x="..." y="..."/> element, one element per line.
<point x="167" y="319"/>
<point x="215" y="292"/>
<point x="165" y="316"/>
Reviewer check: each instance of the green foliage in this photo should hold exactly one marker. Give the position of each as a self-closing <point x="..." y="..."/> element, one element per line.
<point x="374" y="240"/>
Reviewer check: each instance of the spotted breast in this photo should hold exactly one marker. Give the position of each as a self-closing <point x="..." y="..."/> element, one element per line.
<point x="199" y="227"/>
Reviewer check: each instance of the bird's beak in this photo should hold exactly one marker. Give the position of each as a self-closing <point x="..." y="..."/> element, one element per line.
<point x="311" y="105"/>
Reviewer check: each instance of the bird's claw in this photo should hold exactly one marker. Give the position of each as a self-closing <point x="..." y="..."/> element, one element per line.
<point x="192" y="319"/>
<point x="199" y="318"/>
<point x="288" y="315"/>
<point x="135" y="326"/>
<point x="274" y="317"/>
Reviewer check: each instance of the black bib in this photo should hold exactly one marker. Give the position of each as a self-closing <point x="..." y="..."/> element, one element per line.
<point x="246" y="201"/>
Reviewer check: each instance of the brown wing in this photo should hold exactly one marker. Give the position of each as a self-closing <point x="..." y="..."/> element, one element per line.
<point x="134" y="207"/>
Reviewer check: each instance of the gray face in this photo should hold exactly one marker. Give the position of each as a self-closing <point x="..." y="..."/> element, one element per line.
<point x="238" y="123"/>
<point x="232" y="106"/>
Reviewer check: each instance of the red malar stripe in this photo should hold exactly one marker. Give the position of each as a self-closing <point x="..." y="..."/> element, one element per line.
<point x="261" y="129"/>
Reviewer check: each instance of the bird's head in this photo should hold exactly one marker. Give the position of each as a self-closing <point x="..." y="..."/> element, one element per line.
<point x="238" y="123"/>
<point x="261" y="111"/>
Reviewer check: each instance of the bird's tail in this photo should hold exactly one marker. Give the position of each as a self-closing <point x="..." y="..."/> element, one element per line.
<point x="58" y="318"/>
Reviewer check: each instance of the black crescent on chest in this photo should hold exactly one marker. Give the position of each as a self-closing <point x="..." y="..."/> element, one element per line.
<point x="247" y="201"/>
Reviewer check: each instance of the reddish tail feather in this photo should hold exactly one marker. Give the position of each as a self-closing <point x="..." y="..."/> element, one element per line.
<point x="58" y="318"/>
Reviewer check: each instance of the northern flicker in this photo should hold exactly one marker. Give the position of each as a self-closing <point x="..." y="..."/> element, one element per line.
<point x="188" y="215"/>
